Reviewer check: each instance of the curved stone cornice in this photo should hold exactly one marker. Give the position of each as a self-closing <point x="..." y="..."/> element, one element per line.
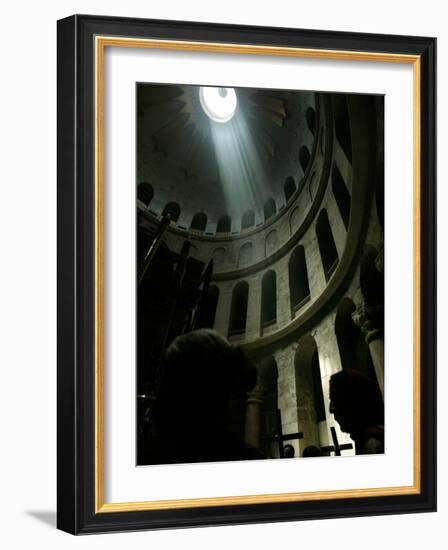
<point x="364" y="140"/>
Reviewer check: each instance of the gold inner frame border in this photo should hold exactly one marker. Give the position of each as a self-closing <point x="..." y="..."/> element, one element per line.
<point x="100" y="44"/>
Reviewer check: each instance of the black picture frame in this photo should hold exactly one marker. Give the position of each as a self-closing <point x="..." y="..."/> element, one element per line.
<point x="76" y="475"/>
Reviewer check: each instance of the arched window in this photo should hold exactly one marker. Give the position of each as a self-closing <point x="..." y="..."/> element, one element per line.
<point x="353" y="349"/>
<point x="173" y="210"/>
<point x="207" y="310"/>
<point x="199" y="222"/>
<point x="238" y="309"/>
<point x="341" y="195"/>
<point x="271" y="244"/>
<point x="342" y="125"/>
<point x="268" y="298"/>
<point x="327" y="246"/>
<point x="269" y="208"/>
<point x="310" y="398"/>
<point x="299" y="288"/>
<point x="145" y="192"/>
<point x="311" y="120"/>
<point x="289" y="187"/>
<point x="304" y="157"/>
<point x="248" y="219"/>
<point x="246" y="254"/>
<point x="224" y="224"/>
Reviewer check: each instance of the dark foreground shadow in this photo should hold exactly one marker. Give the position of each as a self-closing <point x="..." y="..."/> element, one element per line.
<point x="44" y="516"/>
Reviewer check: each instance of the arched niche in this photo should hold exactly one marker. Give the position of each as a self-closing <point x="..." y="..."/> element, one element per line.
<point x="299" y="288"/>
<point x="289" y="187"/>
<point x="268" y="298"/>
<point x="224" y="224"/>
<point x="271" y="244"/>
<point x="310" y="399"/>
<point x="327" y="246"/>
<point x="199" y="222"/>
<point x="248" y="219"/>
<point x="238" y="309"/>
<point x="246" y="254"/>
<point x="172" y="209"/>
<point x="341" y="195"/>
<point x="304" y="157"/>
<point x="145" y="192"/>
<point x="353" y="349"/>
<point x="218" y="257"/>
<point x="269" y="208"/>
<point x="193" y="252"/>
<point x="207" y="310"/>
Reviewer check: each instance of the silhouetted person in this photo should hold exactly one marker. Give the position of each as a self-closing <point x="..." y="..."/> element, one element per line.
<point x="311" y="451"/>
<point x="200" y="411"/>
<point x="288" y="451"/>
<point x="357" y="405"/>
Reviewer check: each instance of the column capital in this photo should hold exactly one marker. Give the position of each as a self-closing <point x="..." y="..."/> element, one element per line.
<point x="254" y="397"/>
<point x="369" y="318"/>
<point x="379" y="261"/>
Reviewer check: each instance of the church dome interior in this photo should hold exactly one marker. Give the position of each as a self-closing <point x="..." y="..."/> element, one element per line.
<point x="222" y="176"/>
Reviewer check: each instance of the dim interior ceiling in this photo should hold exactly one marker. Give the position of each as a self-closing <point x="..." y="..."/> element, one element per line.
<point x="221" y="168"/>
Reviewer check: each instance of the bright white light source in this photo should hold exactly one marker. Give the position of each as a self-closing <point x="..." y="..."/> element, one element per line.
<point x="219" y="104"/>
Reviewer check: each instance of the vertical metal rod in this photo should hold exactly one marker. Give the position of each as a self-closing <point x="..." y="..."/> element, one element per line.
<point x="154" y="246"/>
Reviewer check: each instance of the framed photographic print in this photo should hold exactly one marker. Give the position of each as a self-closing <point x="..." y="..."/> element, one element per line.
<point x="246" y="274"/>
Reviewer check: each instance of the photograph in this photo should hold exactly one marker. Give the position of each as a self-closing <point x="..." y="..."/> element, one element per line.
<point x="259" y="274"/>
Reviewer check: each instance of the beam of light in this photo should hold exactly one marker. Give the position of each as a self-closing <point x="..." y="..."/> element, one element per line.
<point x="219" y="104"/>
<point x="243" y="179"/>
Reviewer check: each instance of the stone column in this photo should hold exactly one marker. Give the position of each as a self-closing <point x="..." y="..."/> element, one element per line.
<point x="369" y="319"/>
<point x="283" y="294"/>
<point x="223" y="310"/>
<point x="253" y="320"/>
<point x="287" y="398"/>
<point x="316" y="275"/>
<point x="253" y="417"/>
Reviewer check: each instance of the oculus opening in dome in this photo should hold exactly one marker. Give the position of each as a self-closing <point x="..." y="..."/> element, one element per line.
<point x="219" y="104"/>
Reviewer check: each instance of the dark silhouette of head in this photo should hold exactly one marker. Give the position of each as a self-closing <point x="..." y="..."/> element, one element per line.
<point x="356" y="402"/>
<point x="202" y="398"/>
<point x="288" y="451"/>
<point x="311" y="451"/>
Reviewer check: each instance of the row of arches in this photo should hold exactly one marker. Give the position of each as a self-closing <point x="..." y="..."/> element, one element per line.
<point x="299" y="288"/>
<point x="371" y="284"/>
<point x="312" y="412"/>
<point x="199" y="221"/>
<point x="325" y="237"/>
<point x="145" y="193"/>
<point x="299" y="291"/>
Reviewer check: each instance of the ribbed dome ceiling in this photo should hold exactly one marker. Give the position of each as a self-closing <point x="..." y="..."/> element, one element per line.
<point x="222" y="169"/>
